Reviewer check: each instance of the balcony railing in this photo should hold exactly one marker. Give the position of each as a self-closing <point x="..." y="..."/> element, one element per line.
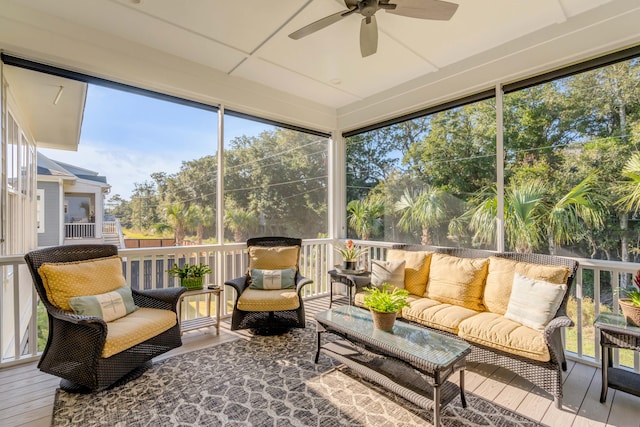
<point x="79" y="230"/>
<point x="24" y="318"/>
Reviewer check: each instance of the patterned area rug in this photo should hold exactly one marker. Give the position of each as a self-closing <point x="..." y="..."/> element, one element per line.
<point x="263" y="381"/>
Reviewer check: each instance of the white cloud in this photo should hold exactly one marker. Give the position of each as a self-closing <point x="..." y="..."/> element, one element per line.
<point x="122" y="166"/>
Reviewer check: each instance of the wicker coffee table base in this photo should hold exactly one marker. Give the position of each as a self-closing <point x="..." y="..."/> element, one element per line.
<point x="398" y="376"/>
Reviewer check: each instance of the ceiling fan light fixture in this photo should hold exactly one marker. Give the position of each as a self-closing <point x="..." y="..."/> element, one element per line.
<point x="421" y="9"/>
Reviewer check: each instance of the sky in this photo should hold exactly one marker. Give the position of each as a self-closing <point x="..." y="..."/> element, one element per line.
<point x="126" y="137"/>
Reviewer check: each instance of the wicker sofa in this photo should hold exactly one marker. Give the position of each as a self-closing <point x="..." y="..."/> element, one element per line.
<point x="536" y="354"/>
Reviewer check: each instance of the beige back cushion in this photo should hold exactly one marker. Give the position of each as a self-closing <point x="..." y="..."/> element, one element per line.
<point x="416" y="268"/>
<point x="457" y="281"/>
<point x="390" y="272"/>
<point x="273" y="258"/>
<point x="500" y="280"/>
<point x="76" y="279"/>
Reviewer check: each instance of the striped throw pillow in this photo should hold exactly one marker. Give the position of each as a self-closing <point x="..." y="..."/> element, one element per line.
<point x="273" y="279"/>
<point x="108" y="306"/>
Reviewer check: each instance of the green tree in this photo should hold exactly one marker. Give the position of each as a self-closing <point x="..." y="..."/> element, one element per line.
<point x="281" y="176"/>
<point x="425" y="209"/>
<point x="180" y="217"/>
<point x="239" y="221"/>
<point x="365" y="216"/>
<point x="532" y="218"/>
<point x="144" y="206"/>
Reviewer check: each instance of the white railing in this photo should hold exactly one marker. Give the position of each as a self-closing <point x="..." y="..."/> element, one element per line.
<point x="146" y="269"/>
<point x="79" y="230"/>
<point x="109" y="227"/>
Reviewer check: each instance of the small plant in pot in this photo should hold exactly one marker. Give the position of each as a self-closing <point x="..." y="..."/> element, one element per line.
<point x="191" y="276"/>
<point x="631" y="304"/>
<point x="350" y="254"/>
<point x="385" y="302"/>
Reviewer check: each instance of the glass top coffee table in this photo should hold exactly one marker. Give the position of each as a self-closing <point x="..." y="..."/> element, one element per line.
<point x="391" y="359"/>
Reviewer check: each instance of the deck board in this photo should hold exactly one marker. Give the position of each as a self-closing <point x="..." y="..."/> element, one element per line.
<point x="26" y="394"/>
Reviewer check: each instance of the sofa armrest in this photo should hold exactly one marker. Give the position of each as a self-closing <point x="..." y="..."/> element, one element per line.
<point x="553" y="338"/>
<point x="557" y="323"/>
<point x="164" y="298"/>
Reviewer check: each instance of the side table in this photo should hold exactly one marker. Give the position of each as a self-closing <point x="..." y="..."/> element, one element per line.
<point x="205" y="321"/>
<point x="351" y="280"/>
<point x="616" y="333"/>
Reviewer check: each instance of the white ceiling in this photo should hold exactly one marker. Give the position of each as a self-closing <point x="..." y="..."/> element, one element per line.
<point x="248" y="40"/>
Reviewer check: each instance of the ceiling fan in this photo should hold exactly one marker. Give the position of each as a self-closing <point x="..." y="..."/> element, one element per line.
<point x="422" y="9"/>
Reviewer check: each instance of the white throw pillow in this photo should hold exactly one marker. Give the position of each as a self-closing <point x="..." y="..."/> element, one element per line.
<point x="391" y="272"/>
<point x="533" y="303"/>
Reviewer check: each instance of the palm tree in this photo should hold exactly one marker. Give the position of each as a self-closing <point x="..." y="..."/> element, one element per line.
<point x="530" y="218"/>
<point x="582" y="209"/>
<point x="204" y="216"/>
<point x="180" y="217"/>
<point x="365" y="216"/>
<point x="240" y="221"/>
<point x="425" y="209"/>
<point x="629" y="189"/>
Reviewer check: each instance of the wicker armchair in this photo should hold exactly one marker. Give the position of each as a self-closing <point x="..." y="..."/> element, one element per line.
<point x="263" y="317"/>
<point x="75" y="343"/>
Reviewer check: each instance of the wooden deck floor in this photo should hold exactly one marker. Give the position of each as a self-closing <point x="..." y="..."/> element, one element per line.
<point x="26" y="394"/>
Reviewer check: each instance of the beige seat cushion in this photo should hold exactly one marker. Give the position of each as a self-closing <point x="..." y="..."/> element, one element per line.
<point x="416" y="268"/>
<point x="274" y="257"/>
<point x="493" y="330"/>
<point x="135" y="328"/>
<point x="457" y="281"/>
<point x="77" y="279"/>
<point x="437" y="315"/>
<point x="497" y="291"/>
<point x="268" y="300"/>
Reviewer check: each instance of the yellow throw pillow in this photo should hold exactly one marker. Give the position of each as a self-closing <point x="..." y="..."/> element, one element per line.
<point x="77" y="279"/>
<point x="273" y="258"/>
<point x="416" y="268"/>
<point x="457" y="281"/>
<point x="500" y="280"/>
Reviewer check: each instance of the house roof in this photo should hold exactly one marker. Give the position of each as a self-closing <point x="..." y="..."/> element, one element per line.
<point x="50" y="167"/>
<point x="238" y="53"/>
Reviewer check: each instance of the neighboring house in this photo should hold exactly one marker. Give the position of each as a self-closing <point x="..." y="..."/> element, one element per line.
<point x="71" y="205"/>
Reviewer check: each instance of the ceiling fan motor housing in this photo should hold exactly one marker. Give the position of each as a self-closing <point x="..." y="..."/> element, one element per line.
<point x="368" y="7"/>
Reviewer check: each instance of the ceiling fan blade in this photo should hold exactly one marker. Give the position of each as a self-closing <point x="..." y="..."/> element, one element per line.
<point x="425" y="9"/>
<point x="320" y="24"/>
<point x="368" y="36"/>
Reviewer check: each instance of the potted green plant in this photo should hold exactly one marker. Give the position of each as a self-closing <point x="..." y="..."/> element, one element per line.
<point x="631" y="304"/>
<point x="350" y="254"/>
<point x="385" y="302"/>
<point x="191" y="276"/>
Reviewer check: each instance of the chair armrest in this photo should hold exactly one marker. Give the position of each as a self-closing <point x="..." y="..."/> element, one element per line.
<point x="164" y="298"/>
<point x="239" y="284"/>
<point x="301" y="282"/>
<point x="78" y="319"/>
